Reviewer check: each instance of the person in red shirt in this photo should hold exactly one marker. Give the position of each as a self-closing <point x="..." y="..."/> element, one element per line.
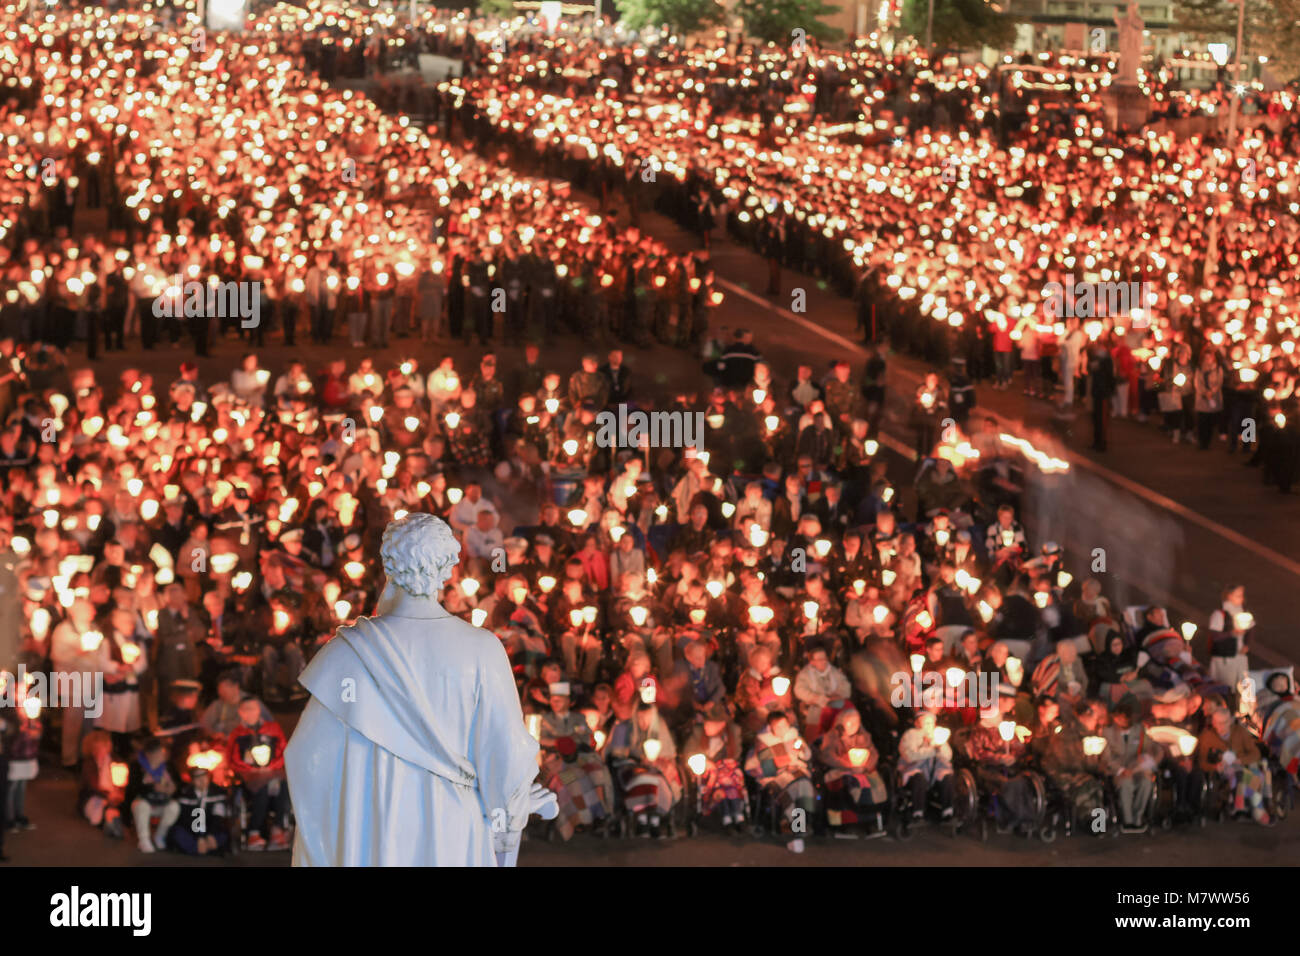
<point x="595" y="563"/>
<point x="1126" y="374"/>
<point x="1002" y="354"/>
<point x="334" y="386"/>
<point x="255" y="754"/>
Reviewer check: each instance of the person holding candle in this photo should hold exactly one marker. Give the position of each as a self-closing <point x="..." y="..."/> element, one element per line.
<point x="714" y="752"/>
<point x="925" y="764"/>
<point x="761" y="689"/>
<point x="822" y="690"/>
<point x="75" y="655"/>
<point x="855" y="790"/>
<point x="1065" y="746"/>
<point x="779" y="763"/>
<point x="103" y="784"/>
<point x="1130" y="758"/>
<point x="1000" y="755"/>
<point x="255" y="754"/>
<point x="203" y="825"/>
<point x="124" y="661"/>
<point x="1227" y="747"/>
<point x="1231" y="627"/>
<point x="151" y="791"/>
<point x="643" y="755"/>
<point x="571" y="766"/>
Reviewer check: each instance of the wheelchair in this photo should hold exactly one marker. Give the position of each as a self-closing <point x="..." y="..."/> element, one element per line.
<point x="621" y="822"/>
<point x="766" y="816"/>
<point x="1286" y="790"/>
<point x="901" y="821"/>
<point x="692" y="802"/>
<point x="980" y="811"/>
<point x="822" y="825"/>
<point x="1062" y="813"/>
<point x="1210" y="798"/>
<point x="240" y="812"/>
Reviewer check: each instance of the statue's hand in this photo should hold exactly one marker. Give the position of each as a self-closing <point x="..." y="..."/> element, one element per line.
<point x="543" y="802"/>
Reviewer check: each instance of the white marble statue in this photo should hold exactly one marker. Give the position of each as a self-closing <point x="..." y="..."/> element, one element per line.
<point x="412" y="750"/>
<point x="1130" y="27"/>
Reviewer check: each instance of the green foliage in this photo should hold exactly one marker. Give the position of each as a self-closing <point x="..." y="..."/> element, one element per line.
<point x="776" y="21"/>
<point x="497" y="8"/>
<point x="962" y="24"/>
<point x="1272" y="29"/>
<point x="682" y="17"/>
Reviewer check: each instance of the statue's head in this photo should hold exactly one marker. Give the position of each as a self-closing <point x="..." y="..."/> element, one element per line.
<point x="418" y="553"/>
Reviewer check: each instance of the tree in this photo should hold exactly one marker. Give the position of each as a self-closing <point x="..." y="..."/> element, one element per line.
<point x="682" y="17"/>
<point x="775" y="21"/>
<point x="497" y="8"/>
<point x="961" y="24"/>
<point x="1271" y="29"/>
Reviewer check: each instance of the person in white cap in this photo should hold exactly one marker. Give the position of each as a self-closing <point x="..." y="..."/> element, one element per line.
<point x="413" y="749"/>
<point x="572" y="765"/>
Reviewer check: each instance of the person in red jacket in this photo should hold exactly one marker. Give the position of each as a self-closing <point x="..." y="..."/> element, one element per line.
<point x="255" y="754"/>
<point x="334" y="386"/>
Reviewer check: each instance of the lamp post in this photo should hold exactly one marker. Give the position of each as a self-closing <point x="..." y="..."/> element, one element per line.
<point x="929" y="26"/>
<point x="1236" y="74"/>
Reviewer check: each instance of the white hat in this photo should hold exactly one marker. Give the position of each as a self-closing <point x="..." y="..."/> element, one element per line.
<point x="560" y="689"/>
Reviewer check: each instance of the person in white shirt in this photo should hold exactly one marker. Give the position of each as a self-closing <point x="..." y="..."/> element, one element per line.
<point x="484" y="539"/>
<point x="464" y="515"/>
<point x="816" y="686"/>
<point x="1072" y="343"/>
<point x="248" y="382"/>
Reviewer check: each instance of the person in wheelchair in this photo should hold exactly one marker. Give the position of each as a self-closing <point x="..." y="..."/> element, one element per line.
<point x="696" y="681"/>
<point x="1226" y="747"/>
<point x="255" y="754"/>
<point x="1000" y="758"/>
<point x="925" y="764"/>
<point x="855" y="790"/>
<point x="1072" y="766"/>
<point x="761" y="691"/>
<point x="150" y="791"/>
<point x="779" y="763"/>
<point x="644" y="758"/>
<point x="203" y="826"/>
<point x="572" y="767"/>
<point x="713" y="754"/>
<point x="819" y="687"/>
<point x="1130" y="761"/>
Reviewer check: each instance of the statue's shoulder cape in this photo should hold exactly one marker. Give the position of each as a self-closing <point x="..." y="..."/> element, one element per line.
<point x="406" y="685"/>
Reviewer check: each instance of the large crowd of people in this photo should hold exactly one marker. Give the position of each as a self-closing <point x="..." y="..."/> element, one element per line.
<point x="758" y="627"/>
<point x="948" y="229"/>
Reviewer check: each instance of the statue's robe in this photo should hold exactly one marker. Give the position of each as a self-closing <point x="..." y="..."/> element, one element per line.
<point x="412" y="749"/>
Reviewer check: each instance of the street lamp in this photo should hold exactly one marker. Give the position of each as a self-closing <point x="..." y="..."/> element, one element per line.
<point x="929" y="26"/>
<point x="1236" y="74"/>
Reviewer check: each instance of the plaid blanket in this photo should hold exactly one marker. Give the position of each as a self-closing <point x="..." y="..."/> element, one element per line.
<point x="1282" y="735"/>
<point x="583" y="790"/>
<point x="769" y="760"/>
<point x="781" y="769"/>
<point x="1253" y="790"/>
<point x="851" y="795"/>
<point x="724" y="780"/>
<point x="647" y="787"/>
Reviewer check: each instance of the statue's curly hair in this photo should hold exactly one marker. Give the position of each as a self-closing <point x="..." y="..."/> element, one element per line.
<point x="418" y="553"/>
